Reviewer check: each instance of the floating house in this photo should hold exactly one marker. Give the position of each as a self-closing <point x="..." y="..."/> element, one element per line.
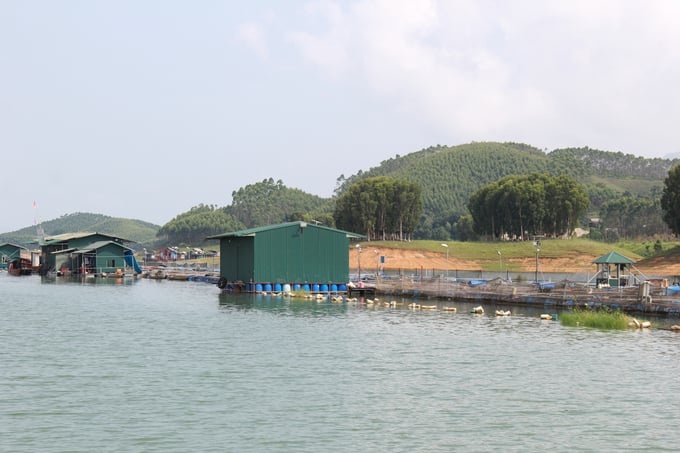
<point x="303" y="255"/>
<point x="615" y="270"/>
<point x="87" y="253"/>
<point x="10" y="252"/>
<point x="18" y="260"/>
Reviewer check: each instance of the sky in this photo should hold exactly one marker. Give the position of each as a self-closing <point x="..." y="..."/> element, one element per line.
<point x="144" y="109"/>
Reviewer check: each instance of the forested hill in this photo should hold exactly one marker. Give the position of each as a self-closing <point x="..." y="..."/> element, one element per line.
<point x="588" y="162"/>
<point x="143" y="233"/>
<point x="446" y="175"/>
<point x="449" y="175"/>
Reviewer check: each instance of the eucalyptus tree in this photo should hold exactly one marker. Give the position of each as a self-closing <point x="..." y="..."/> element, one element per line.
<point x="534" y="204"/>
<point x="670" y="200"/>
<point x="380" y="208"/>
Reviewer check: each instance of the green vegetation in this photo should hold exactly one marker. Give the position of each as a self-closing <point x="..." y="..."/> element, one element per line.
<point x="630" y="217"/>
<point x="670" y="200"/>
<point x="268" y="202"/>
<point x="448" y="176"/>
<point x="603" y="319"/>
<point x="143" y="233"/>
<point x="578" y="252"/>
<point x="526" y="206"/>
<point x="380" y="208"/>
<point x="625" y="194"/>
<point x="193" y="226"/>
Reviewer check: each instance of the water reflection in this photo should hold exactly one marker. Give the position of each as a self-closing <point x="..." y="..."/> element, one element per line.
<point x="90" y="280"/>
<point x="280" y="305"/>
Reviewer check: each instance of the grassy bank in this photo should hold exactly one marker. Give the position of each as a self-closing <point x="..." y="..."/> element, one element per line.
<point x="578" y="252"/>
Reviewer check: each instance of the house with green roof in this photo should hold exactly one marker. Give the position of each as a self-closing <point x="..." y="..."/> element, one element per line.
<point x="295" y="253"/>
<point x="10" y="252"/>
<point x="87" y="253"/>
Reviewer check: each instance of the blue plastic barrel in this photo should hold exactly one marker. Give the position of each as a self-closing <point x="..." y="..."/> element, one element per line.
<point x="258" y="287"/>
<point x="296" y="287"/>
<point x="315" y="288"/>
<point x="305" y="287"/>
<point x="268" y="287"/>
<point x="342" y="287"/>
<point x="323" y="288"/>
<point x="334" y="288"/>
<point x="277" y="287"/>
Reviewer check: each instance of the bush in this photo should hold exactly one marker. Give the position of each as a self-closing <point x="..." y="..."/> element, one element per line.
<point x="603" y="318"/>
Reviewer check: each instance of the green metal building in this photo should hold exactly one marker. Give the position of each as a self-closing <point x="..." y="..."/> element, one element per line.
<point x="9" y="252"/>
<point x="86" y="253"/>
<point x="295" y="252"/>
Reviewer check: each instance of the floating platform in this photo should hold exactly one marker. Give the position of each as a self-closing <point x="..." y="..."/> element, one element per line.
<point x="560" y="295"/>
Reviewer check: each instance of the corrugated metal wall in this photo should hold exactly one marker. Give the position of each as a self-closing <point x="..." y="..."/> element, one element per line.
<point x="110" y="258"/>
<point x="286" y="255"/>
<point x="294" y="254"/>
<point x="237" y="258"/>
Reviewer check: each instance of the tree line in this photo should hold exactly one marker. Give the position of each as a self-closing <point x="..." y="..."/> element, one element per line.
<point x="381" y="208"/>
<point x="516" y="207"/>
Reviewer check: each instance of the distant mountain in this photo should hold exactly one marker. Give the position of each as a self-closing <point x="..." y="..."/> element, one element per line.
<point x="142" y="233"/>
<point x="449" y="175"/>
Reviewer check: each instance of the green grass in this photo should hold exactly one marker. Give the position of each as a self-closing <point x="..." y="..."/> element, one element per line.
<point x="486" y="253"/>
<point x="646" y="248"/>
<point x="603" y="319"/>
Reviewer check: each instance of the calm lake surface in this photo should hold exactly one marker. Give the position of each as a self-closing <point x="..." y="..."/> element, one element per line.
<point x="163" y="366"/>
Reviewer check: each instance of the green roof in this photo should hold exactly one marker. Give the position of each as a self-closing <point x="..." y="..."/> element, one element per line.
<point x="70" y="236"/>
<point x="99" y="244"/>
<point x="256" y="230"/>
<point x="613" y="258"/>
<point x="4" y="244"/>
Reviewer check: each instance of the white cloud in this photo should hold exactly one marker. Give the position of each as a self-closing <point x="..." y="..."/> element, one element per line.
<point x="550" y="73"/>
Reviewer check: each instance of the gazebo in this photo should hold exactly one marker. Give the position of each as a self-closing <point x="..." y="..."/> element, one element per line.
<point x="615" y="270"/>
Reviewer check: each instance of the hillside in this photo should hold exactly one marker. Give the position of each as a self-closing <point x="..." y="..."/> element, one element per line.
<point x="574" y="256"/>
<point x="143" y="233"/>
<point x="449" y="175"/>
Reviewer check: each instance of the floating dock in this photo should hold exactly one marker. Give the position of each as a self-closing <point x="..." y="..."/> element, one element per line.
<point x="561" y="295"/>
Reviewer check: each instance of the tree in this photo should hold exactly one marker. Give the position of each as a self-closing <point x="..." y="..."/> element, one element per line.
<point x="670" y="200"/>
<point x="380" y="207"/>
<point x="193" y="226"/>
<point x="536" y="204"/>
<point x="270" y="201"/>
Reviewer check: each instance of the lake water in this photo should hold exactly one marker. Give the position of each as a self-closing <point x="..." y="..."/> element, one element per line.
<point x="163" y="366"/>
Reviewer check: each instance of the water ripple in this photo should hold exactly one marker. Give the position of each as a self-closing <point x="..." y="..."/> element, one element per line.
<point x="170" y="366"/>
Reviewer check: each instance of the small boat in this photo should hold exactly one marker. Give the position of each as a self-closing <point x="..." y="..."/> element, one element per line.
<point x="20" y="266"/>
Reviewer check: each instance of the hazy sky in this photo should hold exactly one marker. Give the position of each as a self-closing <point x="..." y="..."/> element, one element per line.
<point x="143" y="109"/>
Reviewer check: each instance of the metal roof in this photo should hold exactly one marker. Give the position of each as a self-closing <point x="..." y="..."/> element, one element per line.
<point x="70" y="236"/>
<point x="613" y="258"/>
<point x="256" y="230"/>
<point x="99" y="244"/>
<point x="61" y="252"/>
<point x="3" y="244"/>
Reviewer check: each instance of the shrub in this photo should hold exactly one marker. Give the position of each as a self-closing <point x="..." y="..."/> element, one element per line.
<point x="603" y="318"/>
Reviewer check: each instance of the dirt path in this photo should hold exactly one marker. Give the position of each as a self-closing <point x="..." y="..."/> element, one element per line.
<point x="396" y="259"/>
